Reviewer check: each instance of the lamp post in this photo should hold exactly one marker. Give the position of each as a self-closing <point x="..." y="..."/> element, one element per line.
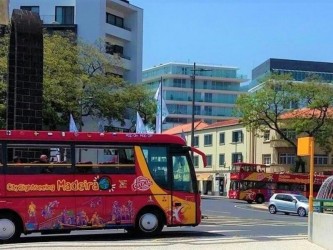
<point x="193" y="105"/>
<point x="193" y="101"/>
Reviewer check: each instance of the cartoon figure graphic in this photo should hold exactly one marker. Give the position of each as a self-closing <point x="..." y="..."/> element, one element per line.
<point x="48" y="210"/>
<point x="82" y="219"/>
<point x="116" y="212"/>
<point x="32" y="209"/>
<point x="96" y="220"/>
<point x="32" y="224"/>
<point x="130" y="209"/>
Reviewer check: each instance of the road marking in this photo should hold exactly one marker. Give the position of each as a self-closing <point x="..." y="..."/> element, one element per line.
<point x="226" y="231"/>
<point x="247" y="222"/>
<point x="246" y="207"/>
<point x="218" y="212"/>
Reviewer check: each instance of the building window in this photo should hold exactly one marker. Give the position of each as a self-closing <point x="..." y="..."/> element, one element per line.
<point x="34" y="9"/>
<point x="115" y="20"/>
<point x="196" y="141"/>
<point x="208" y="110"/>
<point x="208" y="140"/>
<point x="208" y="97"/>
<point x="237" y="157"/>
<point x="266" y="159"/>
<point x="285" y="158"/>
<point x="209" y="161"/>
<point x="237" y="136"/>
<point x="222" y="138"/>
<point x="321" y="159"/>
<point x="221" y="160"/>
<point x="197" y="110"/>
<point x="64" y="14"/>
<point x="267" y="135"/>
<point x="114" y="49"/>
<point x="290" y="134"/>
<point x="179" y="83"/>
<point x="196" y="161"/>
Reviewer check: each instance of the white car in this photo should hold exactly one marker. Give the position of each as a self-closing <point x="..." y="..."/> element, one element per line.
<point x="288" y="203"/>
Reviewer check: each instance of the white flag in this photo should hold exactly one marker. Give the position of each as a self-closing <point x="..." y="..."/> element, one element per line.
<point x="162" y="112"/>
<point x="72" y="125"/>
<point x="140" y="127"/>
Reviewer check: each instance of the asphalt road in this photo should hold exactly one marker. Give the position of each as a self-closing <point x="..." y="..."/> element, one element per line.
<point x="238" y="218"/>
<point x="225" y="222"/>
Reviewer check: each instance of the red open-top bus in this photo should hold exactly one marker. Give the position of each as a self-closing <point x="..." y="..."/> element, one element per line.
<point x="251" y="182"/>
<point x="139" y="182"/>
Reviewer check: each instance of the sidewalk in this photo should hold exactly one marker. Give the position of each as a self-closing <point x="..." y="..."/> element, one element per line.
<point x="198" y="244"/>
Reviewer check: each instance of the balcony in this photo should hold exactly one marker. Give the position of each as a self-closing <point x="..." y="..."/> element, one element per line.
<point x="50" y="23"/>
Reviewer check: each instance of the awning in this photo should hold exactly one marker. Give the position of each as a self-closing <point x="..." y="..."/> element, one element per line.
<point x="204" y="177"/>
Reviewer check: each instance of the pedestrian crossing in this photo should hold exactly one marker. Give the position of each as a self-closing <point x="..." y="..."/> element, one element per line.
<point x="216" y="220"/>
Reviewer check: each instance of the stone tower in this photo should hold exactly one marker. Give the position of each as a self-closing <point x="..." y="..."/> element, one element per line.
<point x="25" y="72"/>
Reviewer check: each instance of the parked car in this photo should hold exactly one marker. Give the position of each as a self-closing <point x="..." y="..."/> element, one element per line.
<point x="288" y="203"/>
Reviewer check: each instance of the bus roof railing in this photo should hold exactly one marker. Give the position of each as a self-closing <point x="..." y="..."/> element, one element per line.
<point x="249" y="164"/>
<point x="50" y="136"/>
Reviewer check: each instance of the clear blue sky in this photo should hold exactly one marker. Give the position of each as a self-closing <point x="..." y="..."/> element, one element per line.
<point x="239" y="33"/>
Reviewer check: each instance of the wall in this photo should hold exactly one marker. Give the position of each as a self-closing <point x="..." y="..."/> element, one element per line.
<point x="322" y="230"/>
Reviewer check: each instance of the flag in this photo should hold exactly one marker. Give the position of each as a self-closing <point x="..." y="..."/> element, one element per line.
<point x="140" y="127"/>
<point x="162" y="112"/>
<point x="101" y="126"/>
<point x="182" y="135"/>
<point x="72" y="125"/>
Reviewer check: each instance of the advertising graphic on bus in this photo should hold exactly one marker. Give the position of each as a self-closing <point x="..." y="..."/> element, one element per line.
<point x="57" y="181"/>
<point x="251" y="182"/>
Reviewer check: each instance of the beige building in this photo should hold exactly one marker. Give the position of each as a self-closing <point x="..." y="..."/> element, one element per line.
<point x="223" y="143"/>
<point x="228" y="141"/>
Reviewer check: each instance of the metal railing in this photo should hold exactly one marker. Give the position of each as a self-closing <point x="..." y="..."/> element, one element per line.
<point x="323" y="205"/>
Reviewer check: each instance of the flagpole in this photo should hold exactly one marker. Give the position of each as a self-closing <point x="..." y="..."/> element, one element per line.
<point x="161" y="110"/>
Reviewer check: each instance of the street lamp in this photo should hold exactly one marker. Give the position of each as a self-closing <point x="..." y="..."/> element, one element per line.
<point x="193" y="101"/>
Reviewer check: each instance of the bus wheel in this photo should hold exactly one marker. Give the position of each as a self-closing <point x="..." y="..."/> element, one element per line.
<point x="10" y="229"/>
<point x="260" y="199"/>
<point x="149" y="223"/>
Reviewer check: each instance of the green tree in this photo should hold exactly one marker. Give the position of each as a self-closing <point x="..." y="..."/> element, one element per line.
<point x="3" y="75"/>
<point x="81" y="79"/>
<point x="308" y="104"/>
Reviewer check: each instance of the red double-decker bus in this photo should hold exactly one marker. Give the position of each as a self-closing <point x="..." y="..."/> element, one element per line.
<point x="251" y="182"/>
<point x="139" y="182"/>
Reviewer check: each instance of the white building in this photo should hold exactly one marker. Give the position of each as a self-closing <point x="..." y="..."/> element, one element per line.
<point x="118" y="22"/>
<point x="216" y="90"/>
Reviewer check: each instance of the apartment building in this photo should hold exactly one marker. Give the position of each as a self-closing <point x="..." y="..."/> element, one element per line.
<point x="116" y="22"/>
<point x="216" y="91"/>
<point x="299" y="70"/>
<point x="223" y="143"/>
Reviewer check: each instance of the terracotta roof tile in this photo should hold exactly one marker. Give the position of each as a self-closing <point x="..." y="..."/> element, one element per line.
<point x="304" y="112"/>
<point x="185" y="127"/>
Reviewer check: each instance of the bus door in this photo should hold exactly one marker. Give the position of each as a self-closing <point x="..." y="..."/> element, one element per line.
<point x="184" y="188"/>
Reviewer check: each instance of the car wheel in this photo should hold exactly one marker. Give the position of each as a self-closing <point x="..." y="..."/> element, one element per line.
<point x="272" y="209"/>
<point x="301" y="212"/>
<point x="10" y="228"/>
<point x="149" y="223"/>
<point x="249" y="201"/>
